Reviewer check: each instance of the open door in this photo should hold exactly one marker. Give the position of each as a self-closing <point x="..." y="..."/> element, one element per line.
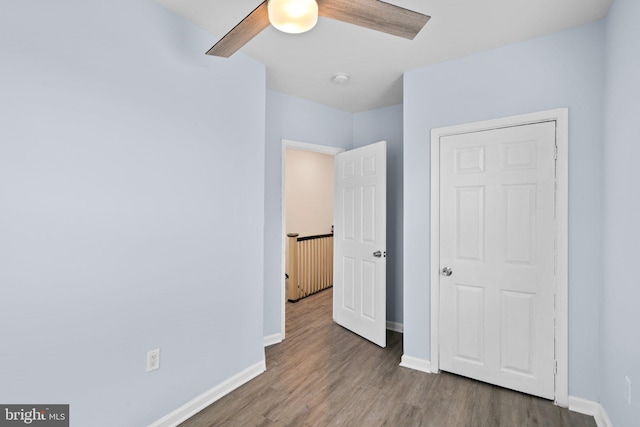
<point x="360" y="238"/>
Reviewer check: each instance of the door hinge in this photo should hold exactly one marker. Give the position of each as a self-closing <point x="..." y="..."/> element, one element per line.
<point x="556" y="152"/>
<point x="555" y="367"/>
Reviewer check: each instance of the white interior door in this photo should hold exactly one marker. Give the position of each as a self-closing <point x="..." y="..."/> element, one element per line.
<point x="359" y="284"/>
<point x="497" y="256"/>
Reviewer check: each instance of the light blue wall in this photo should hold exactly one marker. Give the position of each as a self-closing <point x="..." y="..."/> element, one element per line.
<point x="621" y="287"/>
<point x="564" y="69"/>
<point x="299" y="120"/>
<point x="131" y="200"/>
<point x="369" y="127"/>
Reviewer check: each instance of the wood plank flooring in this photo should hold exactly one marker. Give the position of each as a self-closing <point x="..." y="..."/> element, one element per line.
<point x="324" y="375"/>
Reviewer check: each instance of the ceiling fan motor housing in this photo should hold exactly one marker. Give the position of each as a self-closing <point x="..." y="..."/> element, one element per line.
<point x="293" y="16"/>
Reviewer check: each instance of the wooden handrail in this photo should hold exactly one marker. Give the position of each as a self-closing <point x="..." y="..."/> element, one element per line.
<point x="319" y="236"/>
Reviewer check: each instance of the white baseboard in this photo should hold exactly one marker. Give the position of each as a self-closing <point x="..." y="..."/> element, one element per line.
<point x="584" y="406"/>
<point x="191" y="408"/>
<point x="602" y="418"/>
<point x="589" y="407"/>
<point x="395" y="327"/>
<point x="416" y="363"/>
<point x="272" y="339"/>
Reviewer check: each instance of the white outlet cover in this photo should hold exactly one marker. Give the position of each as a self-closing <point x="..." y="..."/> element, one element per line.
<point x="153" y="360"/>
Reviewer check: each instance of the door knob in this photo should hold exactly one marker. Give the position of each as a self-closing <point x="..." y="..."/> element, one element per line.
<point x="377" y="254"/>
<point x="447" y="271"/>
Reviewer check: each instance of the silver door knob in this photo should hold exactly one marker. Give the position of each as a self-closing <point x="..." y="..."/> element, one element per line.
<point x="447" y="271"/>
<point x="377" y="254"/>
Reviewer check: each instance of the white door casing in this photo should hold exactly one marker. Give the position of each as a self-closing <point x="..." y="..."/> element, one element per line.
<point x="500" y="226"/>
<point x="359" y="295"/>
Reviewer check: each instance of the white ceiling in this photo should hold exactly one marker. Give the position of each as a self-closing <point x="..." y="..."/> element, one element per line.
<point x="303" y="64"/>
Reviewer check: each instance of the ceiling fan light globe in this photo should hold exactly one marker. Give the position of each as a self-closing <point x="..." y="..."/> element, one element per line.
<point x="293" y="16"/>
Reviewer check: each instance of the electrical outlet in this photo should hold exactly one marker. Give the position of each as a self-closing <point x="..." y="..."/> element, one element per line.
<point x="153" y="360"/>
<point x="627" y="391"/>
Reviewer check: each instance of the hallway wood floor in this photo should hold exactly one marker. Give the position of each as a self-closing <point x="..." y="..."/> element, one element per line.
<point x="324" y="375"/>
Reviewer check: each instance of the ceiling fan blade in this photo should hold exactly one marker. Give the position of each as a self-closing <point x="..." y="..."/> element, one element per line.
<point x="376" y="15"/>
<point x="242" y="33"/>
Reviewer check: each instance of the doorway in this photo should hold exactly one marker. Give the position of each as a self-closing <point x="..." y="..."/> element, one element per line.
<point x="301" y="146"/>
<point x="501" y="343"/>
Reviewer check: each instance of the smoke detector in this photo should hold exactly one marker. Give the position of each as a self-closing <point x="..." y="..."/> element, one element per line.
<point x="340" y="78"/>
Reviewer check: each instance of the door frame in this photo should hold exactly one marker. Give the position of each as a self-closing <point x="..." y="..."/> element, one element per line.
<point x="297" y="145"/>
<point x="561" y="117"/>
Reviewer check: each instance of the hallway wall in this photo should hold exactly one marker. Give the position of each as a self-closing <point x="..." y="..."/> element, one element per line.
<point x="309" y="192"/>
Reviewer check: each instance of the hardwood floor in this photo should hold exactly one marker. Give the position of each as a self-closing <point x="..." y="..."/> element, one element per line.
<point x="324" y="375"/>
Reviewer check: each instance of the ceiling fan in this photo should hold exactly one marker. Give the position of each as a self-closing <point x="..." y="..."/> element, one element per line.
<point x="297" y="16"/>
